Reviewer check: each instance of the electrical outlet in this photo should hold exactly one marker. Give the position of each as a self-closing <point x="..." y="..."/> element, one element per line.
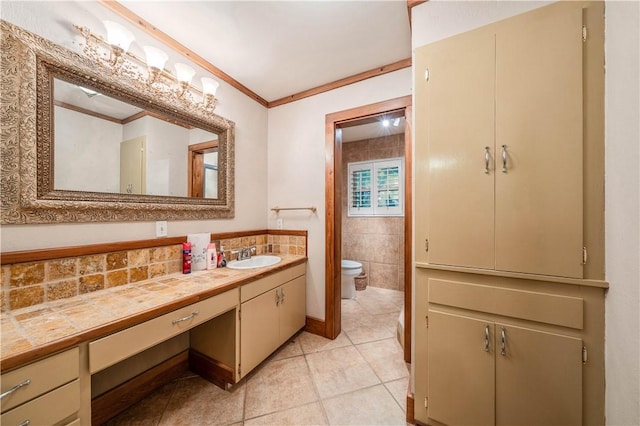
<point x="161" y="228"/>
<point x="280" y="223"/>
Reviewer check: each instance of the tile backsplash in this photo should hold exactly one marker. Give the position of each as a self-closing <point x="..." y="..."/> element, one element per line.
<point x="33" y="283"/>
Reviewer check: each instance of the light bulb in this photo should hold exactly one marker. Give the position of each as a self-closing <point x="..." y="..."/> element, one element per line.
<point x="184" y="73"/>
<point x="209" y="86"/>
<point x="156" y="58"/>
<point x="385" y="123"/>
<point x="118" y="36"/>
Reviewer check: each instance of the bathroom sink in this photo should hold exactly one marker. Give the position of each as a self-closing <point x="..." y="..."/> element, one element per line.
<point x="254" y="262"/>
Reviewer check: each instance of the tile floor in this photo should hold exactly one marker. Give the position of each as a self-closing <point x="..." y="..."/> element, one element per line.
<point x="360" y="378"/>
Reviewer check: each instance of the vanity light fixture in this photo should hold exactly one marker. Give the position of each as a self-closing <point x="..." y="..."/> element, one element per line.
<point x="119" y="38"/>
<point x="156" y="59"/>
<point x="184" y="74"/>
<point x="209" y="87"/>
<point x="149" y="75"/>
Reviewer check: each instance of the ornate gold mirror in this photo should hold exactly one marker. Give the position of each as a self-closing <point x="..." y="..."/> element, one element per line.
<point x="79" y="145"/>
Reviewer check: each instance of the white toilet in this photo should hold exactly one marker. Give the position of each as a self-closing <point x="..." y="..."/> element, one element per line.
<point x="350" y="270"/>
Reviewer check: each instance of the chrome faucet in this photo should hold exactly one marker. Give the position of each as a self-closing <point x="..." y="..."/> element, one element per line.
<point x="246" y="252"/>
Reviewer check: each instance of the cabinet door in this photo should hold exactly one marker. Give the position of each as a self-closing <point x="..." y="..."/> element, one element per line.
<point x="538" y="214"/>
<point x="538" y="379"/>
<point x="459" y="131"/>
<point x="259" y="330"/>
<point x="461" y="372"/>
<point x="292" y="307"/>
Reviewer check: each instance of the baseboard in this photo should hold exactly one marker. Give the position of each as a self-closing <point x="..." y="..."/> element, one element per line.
<point x="410" y="404"/>
<point x="208" y="368"/>
<point x="118" y="399"/>
<point x="315" y="326"/>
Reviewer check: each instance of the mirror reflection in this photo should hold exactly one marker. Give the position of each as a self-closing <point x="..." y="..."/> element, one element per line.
<point x="102" y="144"/>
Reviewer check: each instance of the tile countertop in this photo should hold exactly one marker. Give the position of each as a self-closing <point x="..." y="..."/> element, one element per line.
<point x="37" y="331"/>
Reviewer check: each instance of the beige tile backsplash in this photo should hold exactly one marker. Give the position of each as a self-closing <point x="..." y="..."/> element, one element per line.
<point x="33" y="283"/>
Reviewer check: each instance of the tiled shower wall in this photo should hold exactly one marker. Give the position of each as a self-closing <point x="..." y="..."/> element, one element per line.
<point x="33" y="283"/>
<point x="376" y="242"/>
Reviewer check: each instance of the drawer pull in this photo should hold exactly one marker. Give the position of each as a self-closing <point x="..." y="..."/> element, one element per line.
<point x="187" y="318"/>
<point x="15" y="388"/>
<point x="25" y="423"/>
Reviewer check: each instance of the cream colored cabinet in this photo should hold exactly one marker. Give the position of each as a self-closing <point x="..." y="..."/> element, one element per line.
<point x="46" y="392"/>
<point x="272" y="310"/>
<point x="485" y="372"/>
<point x="499" y="146"/>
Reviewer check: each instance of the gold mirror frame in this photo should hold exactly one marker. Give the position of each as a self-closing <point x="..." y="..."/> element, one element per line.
<point x="27" y="194"/>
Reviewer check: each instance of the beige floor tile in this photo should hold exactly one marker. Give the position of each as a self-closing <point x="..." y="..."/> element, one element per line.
<point x="370" y="406"/>
<point x="398" y="389"/>
<point x="279" y="385"/>
<point x="311" y="414"/>
<point x="313" y="343"/>
<point x="290" y="349"/>
<point x="339" y="371"/>
<point x="146" y="412"/>
<point x="198" y="402"/>
<point x="385" y="358"/>
<point x="366" y="329"/>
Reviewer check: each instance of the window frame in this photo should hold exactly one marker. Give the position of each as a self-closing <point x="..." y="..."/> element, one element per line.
<point x="375" y="210"/>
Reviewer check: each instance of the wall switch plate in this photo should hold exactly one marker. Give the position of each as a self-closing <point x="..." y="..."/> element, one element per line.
<point x="161" y="228"/>
<point x="279" y="223"/>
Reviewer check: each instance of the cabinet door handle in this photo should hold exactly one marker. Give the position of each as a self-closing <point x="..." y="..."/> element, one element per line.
<point x="503" y="342"/>
<point x="25" y="423"/>
<point x="15" y="388"/>
<point x="504" y="159"/>
<point x="277" y="297"/>
<point x="486" y="338"/>
<point x="487" y="159"/>
<point x="187" y="318"/>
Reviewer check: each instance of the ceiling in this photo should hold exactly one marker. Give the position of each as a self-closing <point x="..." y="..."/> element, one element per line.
<point x="280" y="48"/>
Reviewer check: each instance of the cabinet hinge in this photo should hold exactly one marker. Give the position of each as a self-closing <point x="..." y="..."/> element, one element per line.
<point x="426" y="402"/>
<point x="584" y="33"/>
<point x="426" y="74"/>
<point x="584" y="355"/>
<point x="426" y="244"/>
<point x="584" y="255"/>
<point x="426" y="320"/>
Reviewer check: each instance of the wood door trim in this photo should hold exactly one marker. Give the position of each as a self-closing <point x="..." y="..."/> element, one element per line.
<point x="333" y="206"/>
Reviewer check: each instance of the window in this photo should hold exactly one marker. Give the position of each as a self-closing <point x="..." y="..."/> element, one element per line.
<point x="376" y="188"/>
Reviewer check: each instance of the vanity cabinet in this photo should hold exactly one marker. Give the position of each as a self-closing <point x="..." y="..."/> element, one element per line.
<point x="45" y="392"/>
<point x="499" y="146"/>
<point x="272" y="310"/>
<point x="486" y="372"/>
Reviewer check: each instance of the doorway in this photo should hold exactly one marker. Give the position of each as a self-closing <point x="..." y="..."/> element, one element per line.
<point x="334" y="203"/>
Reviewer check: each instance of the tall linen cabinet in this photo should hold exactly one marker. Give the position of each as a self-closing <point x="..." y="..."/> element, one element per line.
<point x="509" y="290"/>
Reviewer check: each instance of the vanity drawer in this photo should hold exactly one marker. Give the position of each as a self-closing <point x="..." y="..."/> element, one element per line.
<point x="256" y="288"/>
<point x="43" y="375"/>
<point x="123" y="344"/>
<point x="47" y="409"/>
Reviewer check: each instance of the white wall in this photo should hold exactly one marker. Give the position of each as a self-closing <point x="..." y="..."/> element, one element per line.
<point x="54" y="20"/>
<point x="297" y="164"/>
<point x="90" y="147"/>
<point x="622" y="211"/>
<point x="436" y="20"/>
